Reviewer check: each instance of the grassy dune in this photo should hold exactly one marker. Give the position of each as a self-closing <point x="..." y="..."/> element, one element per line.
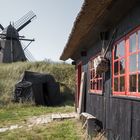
<point x="10" y="74"/>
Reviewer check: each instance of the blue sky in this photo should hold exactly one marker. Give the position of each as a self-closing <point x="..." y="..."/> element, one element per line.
<point x="52" y="27"/>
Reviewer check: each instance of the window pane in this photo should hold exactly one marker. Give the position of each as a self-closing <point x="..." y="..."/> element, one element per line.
<point x="139" y="83"/>
<point x="139" y="62"/>
<point x="121" y="49"/>
<point x="132" y="41"/>
<point x="139" y="39"/>
<point x="132" y="83"/>
<point x="116" y="68"/>
<point x="94" y="85"/>
<point x="116" y="52"/>
<point x="98" y="76"/>
<point x="91" y="85"/>
<point x="98" y="85"/>
<point x="122" y="66"/>
<point x="122" y="84"/>
<point x="115" y="84"/>
<point x="132" y="63"/>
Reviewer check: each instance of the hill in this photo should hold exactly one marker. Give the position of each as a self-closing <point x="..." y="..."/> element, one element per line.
<point x="11" y="73"/>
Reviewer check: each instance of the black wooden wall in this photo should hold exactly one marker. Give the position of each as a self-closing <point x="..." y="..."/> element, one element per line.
<point x="120" y="116"/>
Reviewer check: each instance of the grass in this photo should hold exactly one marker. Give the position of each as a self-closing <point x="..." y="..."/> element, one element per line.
<point x="18" y="113"/>
<point x="62" y="130"/>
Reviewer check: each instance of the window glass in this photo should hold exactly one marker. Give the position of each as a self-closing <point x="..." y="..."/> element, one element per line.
<point x="99" y="84"/>
<point x="139" y="62"/>
<point x="139" y="82"/>
<point x="122" y="49"/>
<point x="122" y="83"/>
<point x="138" y="39"/>
<point x="115" y="84"/>
<point x="132" y="83"/>
<point x="132" y="63"/>
<point x="132" y="41"/>
<point x="116" y="52"/>
<point x="116" y="68"/>
<point x="122" y="66"/>
<point x="126" y="65"/>
<point x="91" y="85"/>
<point x="94" y="84"/>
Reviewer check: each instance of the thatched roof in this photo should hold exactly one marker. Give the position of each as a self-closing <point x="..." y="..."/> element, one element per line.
<point x="91" y="12"/>
<point x="95" y="15"/>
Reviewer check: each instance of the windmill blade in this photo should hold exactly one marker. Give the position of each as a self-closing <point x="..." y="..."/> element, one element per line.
<point x="24" y="21"/>
<point x="28" y="54"/>
<point x="1" y="27"/>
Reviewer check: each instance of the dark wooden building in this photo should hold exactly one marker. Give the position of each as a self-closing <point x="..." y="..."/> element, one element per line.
<point x="114" y="96"/>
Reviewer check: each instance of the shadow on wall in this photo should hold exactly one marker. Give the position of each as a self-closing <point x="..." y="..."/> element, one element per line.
<point x="67" y="95"/>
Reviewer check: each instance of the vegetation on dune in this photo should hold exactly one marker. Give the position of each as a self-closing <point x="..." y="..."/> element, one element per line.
<point x="10" y="74"/>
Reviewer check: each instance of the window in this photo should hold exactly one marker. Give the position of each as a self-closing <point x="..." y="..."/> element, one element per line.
<point x="96" y="82"/>
<point x="119" y="67"/>
<point x="126" y="65"/>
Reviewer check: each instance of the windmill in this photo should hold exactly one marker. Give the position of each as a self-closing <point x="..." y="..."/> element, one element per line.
<point x="11" y="48"/>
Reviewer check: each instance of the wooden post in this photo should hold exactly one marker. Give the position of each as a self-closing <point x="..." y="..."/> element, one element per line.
<point x="82" y="93"/>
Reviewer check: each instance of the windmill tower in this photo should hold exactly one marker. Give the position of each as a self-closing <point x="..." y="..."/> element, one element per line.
<point x="11" y="49"/>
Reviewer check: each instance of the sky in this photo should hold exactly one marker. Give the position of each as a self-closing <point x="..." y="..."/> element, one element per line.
<point x="50" y="29"/>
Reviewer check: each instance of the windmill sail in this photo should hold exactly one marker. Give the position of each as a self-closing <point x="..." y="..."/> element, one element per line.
<point x="28" y="54"/>
<point x="1" y="27"/>
<point x="25" y="20"/>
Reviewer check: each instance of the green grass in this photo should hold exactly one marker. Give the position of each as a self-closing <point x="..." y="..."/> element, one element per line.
<point x="62" y="130"/>
<point x="18" y="113"/>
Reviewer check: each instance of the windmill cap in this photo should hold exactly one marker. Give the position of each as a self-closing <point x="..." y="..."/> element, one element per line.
<point x="10" y="32"/>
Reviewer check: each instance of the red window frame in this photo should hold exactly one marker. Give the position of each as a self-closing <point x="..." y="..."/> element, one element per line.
<point x="95" y="83"/>
<point x="134" y="66"/>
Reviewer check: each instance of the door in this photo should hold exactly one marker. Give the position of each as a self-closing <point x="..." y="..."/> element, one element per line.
<point x="78" y="82"/>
